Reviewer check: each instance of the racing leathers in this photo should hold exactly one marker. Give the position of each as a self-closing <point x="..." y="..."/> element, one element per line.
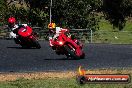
<point x="56" y="34"/>
<point x="15" y="27"/>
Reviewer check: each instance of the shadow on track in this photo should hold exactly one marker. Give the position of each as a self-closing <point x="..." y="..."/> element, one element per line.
<point x="20" y="48"/>
<point x="63" y="59"/>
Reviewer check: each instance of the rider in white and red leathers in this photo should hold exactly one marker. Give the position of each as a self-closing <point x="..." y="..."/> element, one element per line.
<point x="55" y="31"/>
<point x="13" y="26"/>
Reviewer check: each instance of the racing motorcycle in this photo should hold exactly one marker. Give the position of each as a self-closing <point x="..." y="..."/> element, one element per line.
<point x="26" y="37"/>
<point x="65" y="45"/>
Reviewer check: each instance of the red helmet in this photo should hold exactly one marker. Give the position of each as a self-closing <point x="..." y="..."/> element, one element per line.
<point x="11" y="20"/>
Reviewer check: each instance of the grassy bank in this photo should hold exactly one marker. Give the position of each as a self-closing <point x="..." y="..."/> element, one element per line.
<point x="120" y="37"/>
<point x="106" y="34"/>
<point x="56" y="80"/>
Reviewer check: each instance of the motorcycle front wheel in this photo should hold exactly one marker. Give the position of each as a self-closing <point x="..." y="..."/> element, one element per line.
<point x="70" y="52"/>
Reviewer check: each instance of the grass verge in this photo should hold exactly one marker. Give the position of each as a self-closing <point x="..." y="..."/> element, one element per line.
<point x="57" y="79"/>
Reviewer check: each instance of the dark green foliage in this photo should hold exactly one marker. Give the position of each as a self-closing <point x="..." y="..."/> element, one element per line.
<point x="116" y="11"/>
<point x="3" y="7"/>
<point x="41" y="4"/>
<point x="65" y="13"/>
<point x="32" y="16"/>
<point x="69" y="13"/>
<point x="74" y="13"/>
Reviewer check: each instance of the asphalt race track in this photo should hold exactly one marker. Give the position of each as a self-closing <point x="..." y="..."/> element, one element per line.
<point x="15" y="59"/>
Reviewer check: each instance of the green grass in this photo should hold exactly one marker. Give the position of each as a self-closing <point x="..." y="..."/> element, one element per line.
<point x="106" y="26"/>
<point x="113" y="37"/>
<point x="128" y="26"/>
<point x="67" y="82"/>
<point x="57" y="83"/>
<point x="106" y="34"/>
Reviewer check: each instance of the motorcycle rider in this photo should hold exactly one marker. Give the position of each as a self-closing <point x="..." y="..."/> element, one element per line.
<point x="14" y="27"/>
<point x="54" y="32"/>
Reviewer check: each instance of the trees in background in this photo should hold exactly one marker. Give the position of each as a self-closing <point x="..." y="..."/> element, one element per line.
<point x="69" y="13"/>
<point x="116" y="11"/>
<point x="75" y="13"/>
<point x="3" y="10"/>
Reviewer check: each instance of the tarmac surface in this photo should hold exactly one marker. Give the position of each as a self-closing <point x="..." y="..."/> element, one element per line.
<point x="15" y="59"/>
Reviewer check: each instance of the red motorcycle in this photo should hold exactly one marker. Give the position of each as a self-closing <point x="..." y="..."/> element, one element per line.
<point x="65" y="45"/>
<point x="26" y="37"/>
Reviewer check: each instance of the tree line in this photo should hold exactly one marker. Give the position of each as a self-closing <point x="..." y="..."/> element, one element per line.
<point x="67" y="13"/>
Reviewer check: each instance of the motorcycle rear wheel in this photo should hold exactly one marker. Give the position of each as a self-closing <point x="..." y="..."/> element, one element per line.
<point x="24" y="46"/>
<point x="37" y="45"/>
